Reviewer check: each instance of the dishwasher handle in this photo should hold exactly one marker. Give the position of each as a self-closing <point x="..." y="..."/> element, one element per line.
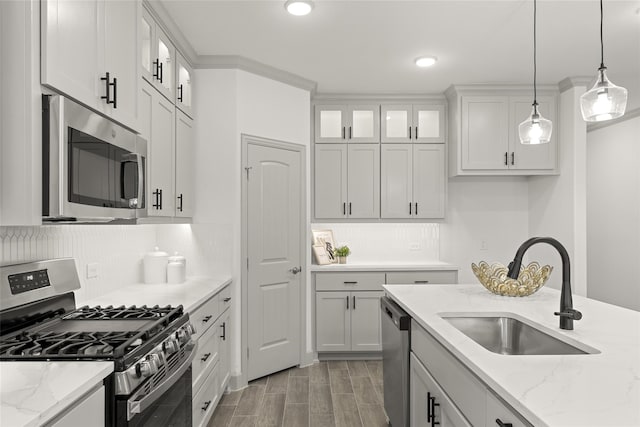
<point x="396" y="314"/>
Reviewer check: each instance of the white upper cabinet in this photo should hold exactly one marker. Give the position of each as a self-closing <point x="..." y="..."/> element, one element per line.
<point x="330" y="182"/>
<point x="184" y="79"/>
<point x="157" y="56"/>
<point x="184" y="153"/>
<point x="413" y="183"/>
<point x="347" y="123"/>
<point x="484" y="136"/>
<point x="88" y="53"/>
<point x="403" y="123"/>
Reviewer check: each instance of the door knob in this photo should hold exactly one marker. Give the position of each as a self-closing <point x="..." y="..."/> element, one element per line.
<point x="295" y="270"/>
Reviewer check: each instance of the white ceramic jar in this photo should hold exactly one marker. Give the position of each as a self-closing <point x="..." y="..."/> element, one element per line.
<point x="177" y="269"/>
<point x="155" y="266"/>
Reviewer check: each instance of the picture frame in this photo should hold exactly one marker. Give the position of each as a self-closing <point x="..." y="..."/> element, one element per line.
<point x="321" y="255"/>
<point x="325" y="239"/>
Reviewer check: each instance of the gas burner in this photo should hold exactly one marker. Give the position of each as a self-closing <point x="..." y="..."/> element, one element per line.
<point x="77" y="344"/>
<point x="121" y="312"/>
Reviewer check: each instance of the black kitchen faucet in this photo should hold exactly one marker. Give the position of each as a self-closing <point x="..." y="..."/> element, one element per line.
<point x="567" y="313"/>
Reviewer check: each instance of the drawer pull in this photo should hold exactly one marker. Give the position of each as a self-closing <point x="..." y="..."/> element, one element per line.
<point x="501" y="424"/>
<point x="205" y="319"/>
<point x="206" y="405"/>
<point x="205" y="357"/>
<point x="350" y="283"/>
<point x="420" y="281"/>
<point x="431" y="410"/>
<point x="227" y="299"/>
<point x="224" y="331"/>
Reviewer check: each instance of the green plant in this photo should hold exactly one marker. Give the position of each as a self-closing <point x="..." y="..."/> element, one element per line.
<point x="342" y="251"/>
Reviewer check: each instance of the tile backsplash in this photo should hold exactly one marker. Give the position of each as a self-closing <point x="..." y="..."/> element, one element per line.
<point x="387" y="242"/>
<point x="117" y="249"/>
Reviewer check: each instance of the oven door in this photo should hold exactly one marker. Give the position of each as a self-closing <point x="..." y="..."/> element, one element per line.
<point x="159" y="403"/>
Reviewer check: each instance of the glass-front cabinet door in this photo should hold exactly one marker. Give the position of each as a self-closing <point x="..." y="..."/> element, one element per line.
<point x="147" y="47"/>
<point x="330" y="123"/>
<point x="347" y="123"/>
<point x="165" y="57"/>
<point x="429" y="123"/>
<point x="363" y="123"/>
<point x="396" y="123"/>
<point x="184" y="76"/>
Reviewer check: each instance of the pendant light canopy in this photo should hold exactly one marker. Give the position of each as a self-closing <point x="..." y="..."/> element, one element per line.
<point x="605" y="101"/>
<point x="535" y="129"/>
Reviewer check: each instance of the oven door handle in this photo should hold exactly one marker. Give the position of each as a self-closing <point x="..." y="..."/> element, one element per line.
<point x="138" y="406"/>
<point x="136" y="202"/>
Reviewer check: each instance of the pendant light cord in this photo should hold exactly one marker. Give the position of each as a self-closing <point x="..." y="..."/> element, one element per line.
<point x="535" y="67"/>
<point x="601" y="39"/>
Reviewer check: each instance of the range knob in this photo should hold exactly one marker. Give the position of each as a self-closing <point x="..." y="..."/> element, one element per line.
<point x="147" y="368"/>
<point x="171" y="346"/>
<point x="190" y="329"/>
<point x="155" y="360"/>
<point x="182" y="336"/>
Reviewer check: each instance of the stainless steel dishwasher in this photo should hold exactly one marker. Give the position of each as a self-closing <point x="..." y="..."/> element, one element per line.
<point x="396" y="328"/>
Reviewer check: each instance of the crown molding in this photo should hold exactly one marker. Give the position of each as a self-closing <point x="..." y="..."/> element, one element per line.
<point x="169" y="26"/>
<point x="387" y="97"/>
<point x="627" y="116"/>
<point x="255" y="67"/>
<point x="571" y="82"/>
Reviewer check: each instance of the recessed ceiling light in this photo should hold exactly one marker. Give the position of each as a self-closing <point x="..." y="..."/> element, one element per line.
<point x="426" y="61"/>
<point x="299" y="7"/>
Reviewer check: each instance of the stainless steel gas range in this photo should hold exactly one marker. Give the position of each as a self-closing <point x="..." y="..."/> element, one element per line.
<point x="151" y="347"/>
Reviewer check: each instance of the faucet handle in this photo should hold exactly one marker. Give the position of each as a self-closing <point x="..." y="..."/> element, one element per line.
<point x="570" y="313"/>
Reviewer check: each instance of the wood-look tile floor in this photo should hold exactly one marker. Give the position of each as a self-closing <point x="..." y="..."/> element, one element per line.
<point x="326" y="394"/>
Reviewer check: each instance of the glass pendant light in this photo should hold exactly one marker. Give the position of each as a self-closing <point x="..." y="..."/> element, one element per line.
<point x="605" y="101"/>
<point x="535" y="129"/>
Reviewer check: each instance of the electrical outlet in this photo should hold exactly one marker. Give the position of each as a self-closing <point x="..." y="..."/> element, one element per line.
<point x="93" y="270"/>
<point x="483" y="245"/>
<point x="414" y="247"/>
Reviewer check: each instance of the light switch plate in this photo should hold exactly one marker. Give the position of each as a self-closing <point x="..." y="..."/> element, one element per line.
<point x="93" y="270"/>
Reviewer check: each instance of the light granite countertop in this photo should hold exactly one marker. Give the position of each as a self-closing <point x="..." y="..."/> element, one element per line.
<point x="569" y="390"/>
<point x="371" y="266"/>
<point x="34" y="392"/>
<point x="190" y="294"/>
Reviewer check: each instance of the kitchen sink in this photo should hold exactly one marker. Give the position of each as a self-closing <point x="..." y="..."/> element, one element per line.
<point x="505" y="334"/>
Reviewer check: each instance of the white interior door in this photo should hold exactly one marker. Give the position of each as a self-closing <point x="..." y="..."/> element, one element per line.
<point x="274" y="206"/>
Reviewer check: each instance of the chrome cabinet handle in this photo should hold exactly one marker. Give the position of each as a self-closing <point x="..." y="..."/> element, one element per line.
<point x="295" y="270"/>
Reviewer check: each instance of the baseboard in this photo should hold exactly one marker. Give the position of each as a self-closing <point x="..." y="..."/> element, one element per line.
<point x="308" y="359"/>
<point x="236" y="383"/>
<point x="374" y="355"/>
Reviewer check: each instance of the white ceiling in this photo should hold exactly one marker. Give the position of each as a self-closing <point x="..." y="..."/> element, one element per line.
<point x="369" y="46"/>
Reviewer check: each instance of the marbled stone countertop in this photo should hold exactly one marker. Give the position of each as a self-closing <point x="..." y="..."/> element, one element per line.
<point x="190" y="294"/>
<point x="600" y="389"/>
<point x="34" y="392"/>
<point x="381" y="266"/>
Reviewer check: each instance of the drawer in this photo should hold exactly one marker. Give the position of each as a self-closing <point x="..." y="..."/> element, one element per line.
<point x="349" y="281"/>
<point x="496" y="410"/>
<point x="225" y="298"/>
<point x="205" y="400"/>
<point x="456" y="380"/>
<point x="206" y="357"/>
<point x="205" y="316"/>
<point x="422" y="277"/>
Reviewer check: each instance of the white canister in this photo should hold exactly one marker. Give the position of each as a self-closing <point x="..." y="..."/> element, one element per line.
<point x="177" y="269"/>
<point x="155" y="266"/>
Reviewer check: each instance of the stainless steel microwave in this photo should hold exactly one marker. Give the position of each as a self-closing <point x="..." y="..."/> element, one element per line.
<point x="93" y="169"/>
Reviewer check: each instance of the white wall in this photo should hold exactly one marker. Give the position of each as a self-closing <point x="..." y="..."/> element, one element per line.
<point x="230" y="103"/>
<point x="613" y="213"/>
<point x="490" y="209"/>
<point x="557" y="204"/>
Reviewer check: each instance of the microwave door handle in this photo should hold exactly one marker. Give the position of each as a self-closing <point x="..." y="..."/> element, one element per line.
<point x="137" y="406"/>
<point x="137" y="158"/>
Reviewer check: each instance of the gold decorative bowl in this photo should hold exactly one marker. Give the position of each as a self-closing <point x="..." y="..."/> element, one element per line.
<point x="494" y="278"/>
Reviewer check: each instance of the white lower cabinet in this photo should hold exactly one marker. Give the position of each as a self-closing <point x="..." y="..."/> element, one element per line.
<point x="88" y="412"/>
<point x="210" y="367"/>
<point x="429" y="405"/>
<point x="439" y="379"/>
<point x="348" y="321"/>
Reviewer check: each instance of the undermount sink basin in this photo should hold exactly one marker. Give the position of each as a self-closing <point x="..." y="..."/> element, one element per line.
<point x="504" y="334"/>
